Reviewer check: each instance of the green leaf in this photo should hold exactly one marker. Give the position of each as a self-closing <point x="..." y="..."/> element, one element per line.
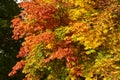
<point x="90" y="51"/>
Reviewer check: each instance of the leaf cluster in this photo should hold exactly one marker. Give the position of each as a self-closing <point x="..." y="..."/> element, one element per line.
<point x="69" y="39"/>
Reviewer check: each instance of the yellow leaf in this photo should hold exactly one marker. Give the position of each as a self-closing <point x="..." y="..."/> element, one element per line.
<point x="88" y="78"/>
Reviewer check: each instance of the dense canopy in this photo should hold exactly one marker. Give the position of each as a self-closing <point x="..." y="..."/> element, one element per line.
<point x="68" y="40"/>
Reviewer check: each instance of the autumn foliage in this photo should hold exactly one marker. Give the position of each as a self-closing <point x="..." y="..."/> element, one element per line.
<point x="68" y="40"/>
